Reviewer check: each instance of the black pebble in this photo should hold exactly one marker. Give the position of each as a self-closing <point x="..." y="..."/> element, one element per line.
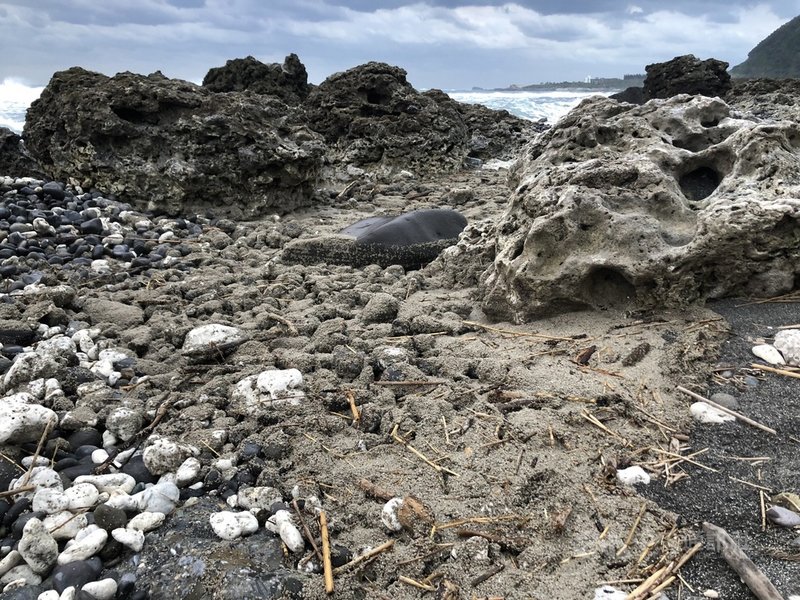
<point x="77" y="573"/>
<point x="126" y="585"/>
<point x="22" y="520"/>
<point x="92" y="226"/>
<point x="87" y="436"/>
<point x="19" y="507"/>
<point x="110" y="518"/>
<point x="136" y="469"/>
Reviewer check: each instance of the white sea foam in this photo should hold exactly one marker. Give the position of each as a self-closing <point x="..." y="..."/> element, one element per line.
<point x="549" y="105"/>
<point x="15" y="98"/>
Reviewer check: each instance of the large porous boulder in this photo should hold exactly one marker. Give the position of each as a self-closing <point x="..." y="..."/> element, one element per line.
<point x="288" y="81"/>
<point x="14" y="159"/>
<point x="372" y="117"/>
<point x="169" y="145"/>
<point x="645" y="206"/>
<point x="687" y="75"/>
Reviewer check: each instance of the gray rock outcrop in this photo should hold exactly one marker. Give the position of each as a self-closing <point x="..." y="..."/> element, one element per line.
<point x="663" y="204"/>
<point x="686" y="75"/>
<point x="288" y="81"/>
<point x="14" y="159"/>
<point x="166" y="144"/>
<point x="768" y="99"/>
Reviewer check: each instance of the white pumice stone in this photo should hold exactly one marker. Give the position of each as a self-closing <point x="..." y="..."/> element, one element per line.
<point x="81" y="496"/>
<point x="131" y="538"/>
<point x="50" y="501"/>
<point x="99" y="456"/>
<point x="122" y="500"/>
<point x="282" y="524"/>
<point x="105" y="589"/>
<point x="162" y="498"/>
<point x="232" y="500"/>
<point x="124" y="422"/>
<point x="231" y="525"/>
<point x="788" y="343"/>
<point x="10" y="560"/>
<point x="188" y="473"/>
<point x="88" y="542"/>
<point x="65" y="525"/>
<point x="389" y="514"/>
<point x="202" y="337"/>
<point x="769" y="353"/>
<point x="37" y="547"/>
<point x="608" y="592"/>
<point x="40" y="478"/>
<point x="163" y="455"/>
<point x="22" y="422"/>
<point x="40" y="461"/>
<point x="255" y="498"/>
<point x="705" y="413"/>
<point x="111" y="482"/>
<point x="147" y="521"/>
<point x="18" y="577"/>
<point x="109" y="439"/>
<point x="68" y="593"/>
<point x="633" y="475"/>
<point x="48" y="595"/>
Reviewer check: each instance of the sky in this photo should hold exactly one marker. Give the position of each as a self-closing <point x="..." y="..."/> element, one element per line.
<point x="440" y="43"/>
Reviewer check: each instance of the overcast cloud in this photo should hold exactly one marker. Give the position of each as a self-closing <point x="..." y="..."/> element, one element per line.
<point x="441" y="43"/>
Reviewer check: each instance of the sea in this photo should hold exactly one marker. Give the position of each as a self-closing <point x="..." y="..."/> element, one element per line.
<point x="550" y="106"/>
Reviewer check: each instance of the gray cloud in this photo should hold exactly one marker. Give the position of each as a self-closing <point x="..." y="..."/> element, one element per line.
<point x="441" y="43"/>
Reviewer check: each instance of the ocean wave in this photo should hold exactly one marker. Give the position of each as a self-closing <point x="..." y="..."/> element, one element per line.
<point x="548" y="105"/>
<point x="15" y="98"/>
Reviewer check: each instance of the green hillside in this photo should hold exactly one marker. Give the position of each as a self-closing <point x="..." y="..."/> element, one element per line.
<point x="777" y="56"/>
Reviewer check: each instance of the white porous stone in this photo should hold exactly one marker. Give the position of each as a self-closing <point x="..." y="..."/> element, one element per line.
<point x="50" y="501"/>
<point x="256" y="498"/>
<point x="266" y="390"/>
<point x="10" y="560"/>
<point x="188" y="473"/>
<point x="608" y="592"/>
<point x="68" y="593"/>
<point x="705" y="413"/>
<point x="89" y="541"/>
<point x="202" y="337"/>
<point x="111" y="482"/>
<point x="65" y="525"/>
<point x="769" y="353"/>
<point x="131" y="538"/>
<point x="231" y="525"/>
<point x="105" y="589"/>
<point x="23" y="422"/>
<point x="121" y="500"/>
<point x="147" y="521"/>
<point x="37" y="547"/>
<point x="282" y="524"/>
<point x="278" y="383"/>
<point x="124" y="422"/>
<point x="40" y="478"/>
<point x="163" y="455"/>
<point x="19" y="577"/>
<point x="40" y="461"/>
<point x="109" y="439"/>
<point x="160" y="498"/>
<point x="99" y="456"/>
<point x="101" y="266"/>
<point x="788" y="343"/>
<point x="81" y="496"/>
<point x="83" y="340"/>
<point x="633" y="475"/>
<point x="48" y="595"/>
<point x="389" y="514"/>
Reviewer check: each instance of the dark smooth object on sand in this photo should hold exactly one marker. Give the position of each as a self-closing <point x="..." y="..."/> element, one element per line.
<point x="416" y="227"/>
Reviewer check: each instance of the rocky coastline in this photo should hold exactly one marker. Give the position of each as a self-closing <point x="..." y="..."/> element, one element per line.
<point x="200" y="357"/>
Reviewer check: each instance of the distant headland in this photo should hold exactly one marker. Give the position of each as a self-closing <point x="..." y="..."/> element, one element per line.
<point x="590" y="83"/>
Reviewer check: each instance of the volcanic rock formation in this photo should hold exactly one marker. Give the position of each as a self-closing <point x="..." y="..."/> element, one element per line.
<point x="686" y="75"/>
<point x="643" y="206"/>
<point x="288" y="81"/>
<point x="164" y="143"/>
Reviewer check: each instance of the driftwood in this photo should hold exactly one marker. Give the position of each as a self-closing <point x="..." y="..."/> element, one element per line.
<point x="750" y="574"/>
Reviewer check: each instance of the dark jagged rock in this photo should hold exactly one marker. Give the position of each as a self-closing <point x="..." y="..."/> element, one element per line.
<point x="687" y="75"/>
<point x="777" y="55"/>
<point x="770" y="99"/>
<point x="371" y="116"/>
<point x="169" y="145"/>
<point x="288" y="81"/>
<point x="14" y="158"/>
<point x="631" y="95"/>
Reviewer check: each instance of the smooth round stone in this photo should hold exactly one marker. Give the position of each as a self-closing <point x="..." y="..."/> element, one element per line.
<point x="136" y="469"/>
<point x="77" y="573"/>
<point x="86" y="437"/>
<point x="20" y="227"/>
<point x="725" y="400"/>
<point x="92" y="226"/>
<point x="110" y="518"/>
<point x="78" y="470"/>
<point x="54" y="190"/>
<point x="19" y="525"/>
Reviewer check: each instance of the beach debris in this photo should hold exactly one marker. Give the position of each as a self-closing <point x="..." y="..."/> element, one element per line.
<point x="283" y="524"/>
<point x="787" y="342"/>
<point x="769" y="353"/>
<point x="733" y="413"/>
<point x="633" y="475"/>
<point x="705" y="413"/>
<point x="749" y="573"/>
<point x="231" y="525"/>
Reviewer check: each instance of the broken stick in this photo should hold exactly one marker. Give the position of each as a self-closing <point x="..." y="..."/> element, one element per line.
<point x="750" y="574"/>
<point x="733" y="413"/>
<point x="327" y="569"/>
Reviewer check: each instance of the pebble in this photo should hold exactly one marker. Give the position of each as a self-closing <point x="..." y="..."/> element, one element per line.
<point x="81" y="496"/>
<point x="188" y="473"/>
<point x="49" y="501"/>
<point x="705" y="413"/>
<point x="389" y="516"/>
<point x="258" y="498"/>
<point x="213" y="334"/>
<point x="21" y="572"/>
<point x="163" y="455"/>
<point x="37" y="547"/>
<point x="283" y="524"/>
<point x="110" y="483"/>
<point x="608" y="592"/>
<point x="161" y="498"/>
<point x="131" y="538"/>
<point x="725" y="400"/>
<point x="232" y="525"/>
<point x="21" y="422"/>
<point x="65" y="525"/>
<point x="124" y="422"/>
<point x="76" y="574"/>
<point x="633" y="475"/>
<point x="88" y="542"/>
<point x="147" y="521"/>
<point x="787" y="342"/>
<point x="783" y="516"/>
<point x="105" y="589"/>
<point x="769" y="353"/>
<point x="109" y="518"/>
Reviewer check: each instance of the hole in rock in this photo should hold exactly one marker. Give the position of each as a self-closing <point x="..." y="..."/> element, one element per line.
<point x="376" y="97"/>
<point x="134" y="116"/>
<point x="710" y="123"/>
<point x="700" y="183"/>
<point x="518" y="247"/>
<point x="694" y="142"/>
<point x="605" y="286"/>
